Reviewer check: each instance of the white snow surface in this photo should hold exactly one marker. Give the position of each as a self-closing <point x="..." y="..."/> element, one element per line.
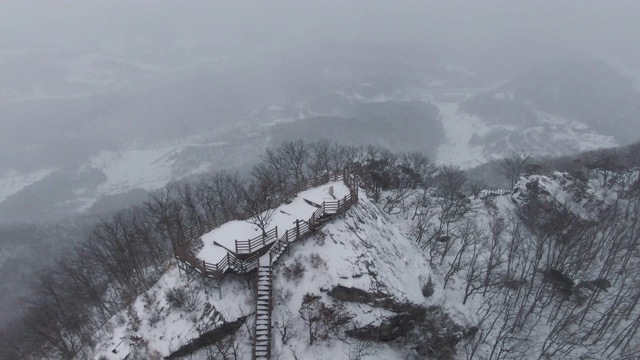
<point x="368" y="250"/>
<point x="283" y="218"/>
<point x="364" y="248"/>
<point x="459" y="128"/>
<point x="552" y="135"/>
<point x="14" y="181"/>
<point x="163" y="328"/>
<point x="146" y="169"/>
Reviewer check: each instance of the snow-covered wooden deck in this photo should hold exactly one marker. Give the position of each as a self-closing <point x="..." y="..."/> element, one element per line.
<point x="220" y="241"/>
<point x="237" y="245"/>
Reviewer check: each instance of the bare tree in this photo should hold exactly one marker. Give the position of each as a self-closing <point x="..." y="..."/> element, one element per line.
<point x="165" y="209"/>
<point x="378" y="173"/>
<point x="450" y="180"/>
<point x="513" y="166"/>
<point x="467" y="238"/>
<point x="417" y="170"/>
<point x="476" y="188"/>
<point x="344" y="157"/>
<point x="295" y="156"/>
<point x="362" y="349"/>
<point x="225" y="190"/>
<point x="320" y="157"/>
<point x="286" y="325"/>
<point x="271" y="181"/>
<point x="311" y="312"/>
<point x="194" y="215"/>
<point x="496" y="249"/>
<point x="424" y="214"/>
<point x="259" y="207"/>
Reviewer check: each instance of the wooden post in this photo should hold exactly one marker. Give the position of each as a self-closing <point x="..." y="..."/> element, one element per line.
<point x="297" y="229"/>
<point x="287" y="237"/>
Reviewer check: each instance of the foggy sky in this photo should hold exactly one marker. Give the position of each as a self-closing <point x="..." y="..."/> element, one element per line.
<point x="81" y="76"/>
<point x="589" y="26"/>
<point x="42" y="40"/>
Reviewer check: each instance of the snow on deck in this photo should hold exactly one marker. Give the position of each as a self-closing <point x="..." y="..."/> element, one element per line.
<point x="284" y="218"/>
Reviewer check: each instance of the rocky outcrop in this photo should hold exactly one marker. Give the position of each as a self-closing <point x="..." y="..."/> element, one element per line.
<point x="208" y="338"/>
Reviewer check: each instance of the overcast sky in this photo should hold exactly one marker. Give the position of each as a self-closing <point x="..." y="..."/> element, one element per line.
<point x="497" y="39"/>
<point x="593" y="26"/>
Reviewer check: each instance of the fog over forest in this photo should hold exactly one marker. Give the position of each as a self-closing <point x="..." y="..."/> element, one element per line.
<point x="102" y="102"/>
<point x="83" y="76"/>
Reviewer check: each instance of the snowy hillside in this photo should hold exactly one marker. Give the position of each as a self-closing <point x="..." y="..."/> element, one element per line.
<point x="13" y="182"/>
<point x="364" y="249"/>
<point x="434" y="277"/>
<point x="61" y="192"/>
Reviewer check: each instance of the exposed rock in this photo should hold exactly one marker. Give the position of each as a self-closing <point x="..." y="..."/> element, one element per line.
<point x="430" y="329"/>
<point x="210" y="318"/>
<point x="351" y="294"/>
<point x="208" y="338"/>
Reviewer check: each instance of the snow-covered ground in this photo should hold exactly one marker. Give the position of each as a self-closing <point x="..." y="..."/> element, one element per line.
<point x="283" y="218"/>
<point x="459" y="129"/>
<point x="147" y="168"/>
<point x="152" y="325"/>
<point x="368" y="249"/>
<point x="126" y="170"/>
<point x="550" y="135"/>
<point x="364" y="249"/>
<point x="14" y="182"/>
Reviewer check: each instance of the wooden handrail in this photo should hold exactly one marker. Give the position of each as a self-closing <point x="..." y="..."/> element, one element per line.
<point x="249" y="246"/>
<point x="185" y="253"/>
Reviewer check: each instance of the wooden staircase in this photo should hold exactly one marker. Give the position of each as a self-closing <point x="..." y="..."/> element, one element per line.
<point x="325" y="212"/>
<point x="262" y="341"/>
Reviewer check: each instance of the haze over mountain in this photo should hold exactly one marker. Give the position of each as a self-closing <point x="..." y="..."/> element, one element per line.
<point x="103" y="101"/>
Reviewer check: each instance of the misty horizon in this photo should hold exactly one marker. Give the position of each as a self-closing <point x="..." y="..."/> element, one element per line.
<point x="104" y="102"/>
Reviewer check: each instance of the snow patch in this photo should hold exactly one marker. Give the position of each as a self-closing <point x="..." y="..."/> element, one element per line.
<point x="14" y="181"/>
<point x="459" y="127"/>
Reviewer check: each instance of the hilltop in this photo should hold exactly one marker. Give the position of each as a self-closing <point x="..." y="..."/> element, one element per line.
<point x="423" y="264"/>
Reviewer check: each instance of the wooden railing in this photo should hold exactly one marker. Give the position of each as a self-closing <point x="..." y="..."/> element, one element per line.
<point x="251" y="245"/>
<point x="317" y="181"/>
<point x="300" y="230"/>
<point x="246" y="265"/>
<point x="495" y="190"/>
<point x="185" y="253"/>
<point x="303" y="228"/>
<point x="190" y="234"/>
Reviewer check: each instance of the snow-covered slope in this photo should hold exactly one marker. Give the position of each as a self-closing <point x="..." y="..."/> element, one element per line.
<point x="13" y="182"/>
<point x="363" y="248"/>
<point x="472" y="140"/>
<point x="112" y="173"/>
<point x="443" y="278"/>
